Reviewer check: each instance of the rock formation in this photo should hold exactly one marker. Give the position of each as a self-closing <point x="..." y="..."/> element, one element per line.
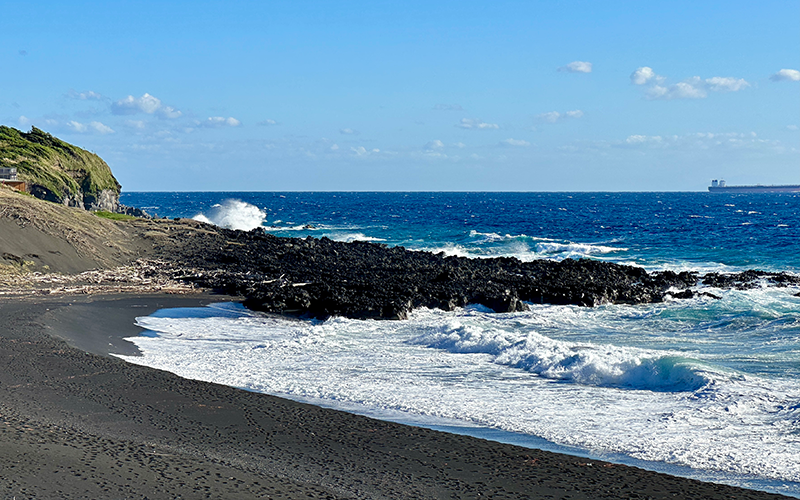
<point x="321" y="277"/>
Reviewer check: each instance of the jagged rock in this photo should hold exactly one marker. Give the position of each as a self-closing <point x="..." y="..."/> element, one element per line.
<point x="133" y="211"/>
<point x="321" y="277"/>
<point x="749" y="279"/>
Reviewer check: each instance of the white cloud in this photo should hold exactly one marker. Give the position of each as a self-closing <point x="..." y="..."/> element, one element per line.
<point x="219" y="121"/>
<point x="726" y="84"/>
<point x="362" y="151"/>
<point x="168" y="112"/>
<point x="89" y="95"/>
<point x="89" y="128"/>
<point x="786" y="75"/>
<point x="135" y="124"/>
<point x="132" y="105"/>
<point x="643" y="75"/>
<point x="550" y="116"/>
<point x="147" y="104"/>
<point x="448" y="107"/>
<point x="515" y="143"/>
<point x="643" y="139"/>
<point x="63" y="125"/>
<point x="555" y="116"/>
<point x="100" y="128"/>
<point x="681" y="90"/>
<point x="696" y="141"/>
<point x="434" y="145"/>
<point x="25" y="122"/>
<point x="691" y="88"/>
<point x="267" y="123"/>
<point x="348" y="131"/>
<point x="577" y="67"/>
<point x="477" y="124"/>
<point x="792" y="127"/>
<point x="335" y="147"/>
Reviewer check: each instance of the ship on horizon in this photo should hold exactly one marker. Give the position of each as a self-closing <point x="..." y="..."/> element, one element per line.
<point x="719" y="186"/>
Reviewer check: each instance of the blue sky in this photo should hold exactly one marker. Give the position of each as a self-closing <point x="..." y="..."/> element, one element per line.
<point x="418" y="96"/>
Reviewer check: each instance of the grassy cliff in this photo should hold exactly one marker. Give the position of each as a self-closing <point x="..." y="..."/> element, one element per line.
<point x="58" y="171"/>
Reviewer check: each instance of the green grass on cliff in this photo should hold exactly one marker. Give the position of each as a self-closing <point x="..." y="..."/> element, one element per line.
<point x="114" y="216"/>
<point x="49" y="162"/>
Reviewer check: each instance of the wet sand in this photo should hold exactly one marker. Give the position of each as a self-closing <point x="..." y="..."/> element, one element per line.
<point x="78" y="423"/>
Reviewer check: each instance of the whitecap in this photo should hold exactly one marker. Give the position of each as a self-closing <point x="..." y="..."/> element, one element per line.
<point x="233" y="214"/>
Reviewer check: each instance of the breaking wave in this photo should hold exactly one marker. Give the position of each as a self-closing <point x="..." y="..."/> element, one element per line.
<point x="580" y="363"/>
<point x="233" y="214"/>
<point x="524" y="247"/>
<point x="350" y="237"/>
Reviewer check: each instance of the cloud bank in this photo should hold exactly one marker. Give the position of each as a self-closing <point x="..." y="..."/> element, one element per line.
<point x="691" y="88"/>
<point x="555" y="116"/>
<point x="515" y="143"/>
<point x="476" y="124"/>
<point x="219" y="121"/>
<point x="89" y="95"/>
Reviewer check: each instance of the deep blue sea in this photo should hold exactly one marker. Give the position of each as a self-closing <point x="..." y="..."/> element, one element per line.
<point x="703" y="388"/>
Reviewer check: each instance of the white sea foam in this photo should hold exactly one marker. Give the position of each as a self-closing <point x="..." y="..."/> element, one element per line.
<point x="571" y="250"/>
<point x="582" y="363"/>
<point x="525" y="248"/>
<point x="234" y="214"/>
<point x="350" y="237"/>
<point x="657" y="382"/>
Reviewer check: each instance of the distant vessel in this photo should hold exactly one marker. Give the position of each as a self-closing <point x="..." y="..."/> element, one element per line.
<point x="718" y="186"/>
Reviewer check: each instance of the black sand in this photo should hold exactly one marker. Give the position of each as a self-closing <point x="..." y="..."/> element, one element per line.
<point x="76" y="423"/>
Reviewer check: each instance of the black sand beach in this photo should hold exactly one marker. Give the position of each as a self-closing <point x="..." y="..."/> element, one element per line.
<point x="77" y="423"/>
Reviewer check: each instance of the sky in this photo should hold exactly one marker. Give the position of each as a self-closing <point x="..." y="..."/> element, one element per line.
<point x="412" y="96"/>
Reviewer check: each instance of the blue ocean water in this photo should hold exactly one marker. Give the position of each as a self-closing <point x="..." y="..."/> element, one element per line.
<point x="703" y="388"/>
<point x="658" y="230"/>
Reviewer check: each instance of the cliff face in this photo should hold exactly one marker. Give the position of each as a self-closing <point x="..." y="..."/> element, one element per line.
<point x="57" y="171"/>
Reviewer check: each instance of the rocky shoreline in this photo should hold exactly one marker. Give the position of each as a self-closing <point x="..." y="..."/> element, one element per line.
<point x="321" y="277"/>
<point x="78" y="423"/>
<point x="47" y="248"/>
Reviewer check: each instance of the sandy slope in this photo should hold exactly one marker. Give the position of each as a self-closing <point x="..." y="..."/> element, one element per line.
<point x="40" y="236"/>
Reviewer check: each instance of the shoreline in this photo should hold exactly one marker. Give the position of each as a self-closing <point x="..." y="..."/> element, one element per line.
<point x="64" y="400"/>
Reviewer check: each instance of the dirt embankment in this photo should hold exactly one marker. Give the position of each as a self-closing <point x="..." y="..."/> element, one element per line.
<point x="46" y="237"/>
<point x="50" y="248"/>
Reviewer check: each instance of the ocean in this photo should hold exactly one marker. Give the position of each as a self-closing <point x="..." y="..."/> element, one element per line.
<point x="703" y="388"/>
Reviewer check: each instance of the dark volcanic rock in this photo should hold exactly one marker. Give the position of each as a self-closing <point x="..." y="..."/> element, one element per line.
<point x="321" y="277"/>
<point x="749" y="279"/>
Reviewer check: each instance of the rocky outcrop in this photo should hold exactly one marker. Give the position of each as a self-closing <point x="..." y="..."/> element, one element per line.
<point x="105" y="199"/>
<point x="59" y="172"/>
<point x="132" y="211"/>
<point x="321" y="277"/>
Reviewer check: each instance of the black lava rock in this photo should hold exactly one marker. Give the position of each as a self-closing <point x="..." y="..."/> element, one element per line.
<point x="321" y="277"/>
